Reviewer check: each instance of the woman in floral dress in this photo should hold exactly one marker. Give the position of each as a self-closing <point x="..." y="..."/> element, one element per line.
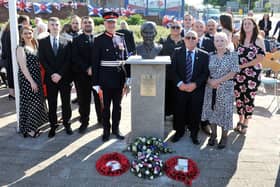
<point x="251" y="52"/>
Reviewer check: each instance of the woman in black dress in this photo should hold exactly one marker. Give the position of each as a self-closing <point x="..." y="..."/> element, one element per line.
<point x="32" y="112"/>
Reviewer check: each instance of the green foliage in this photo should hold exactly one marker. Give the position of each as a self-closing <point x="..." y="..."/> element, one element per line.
<point x="98" y="21"/>
<point x="267" y="6"/>
<point x="135" y="20"/>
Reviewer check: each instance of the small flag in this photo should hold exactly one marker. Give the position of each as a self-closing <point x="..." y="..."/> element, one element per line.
<point x="42" y="8"/>
<point x="92" y="11"/>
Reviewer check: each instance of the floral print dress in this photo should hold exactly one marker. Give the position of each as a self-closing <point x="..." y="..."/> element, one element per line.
<point x="247" y="80"/>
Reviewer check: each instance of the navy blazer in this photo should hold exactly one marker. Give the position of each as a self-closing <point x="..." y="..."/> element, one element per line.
<point x="52" y="63"/>
<point x="200" y="67"/>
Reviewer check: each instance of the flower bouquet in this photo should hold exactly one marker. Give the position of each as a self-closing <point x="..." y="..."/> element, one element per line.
<point x="148" y="166"/>
<point x="150" y="145"/>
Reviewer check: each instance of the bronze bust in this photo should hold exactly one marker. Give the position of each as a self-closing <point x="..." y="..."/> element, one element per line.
<point x="148" y="49"/>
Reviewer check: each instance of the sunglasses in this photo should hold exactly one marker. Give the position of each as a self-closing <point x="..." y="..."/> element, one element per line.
<point x="175" y="27"/>
<point x="190" y="37"/>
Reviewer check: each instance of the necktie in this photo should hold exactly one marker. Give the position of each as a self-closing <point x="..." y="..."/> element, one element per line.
<point x="189" y="67"/>
<point x="55" y="45"/>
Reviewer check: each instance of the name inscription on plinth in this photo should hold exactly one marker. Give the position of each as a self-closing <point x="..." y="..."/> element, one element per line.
<point x="148" y="85"/>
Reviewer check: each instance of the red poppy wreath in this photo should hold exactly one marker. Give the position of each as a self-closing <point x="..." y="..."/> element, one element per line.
<point x="181" y="169"/>
<point x="112" y="164"/>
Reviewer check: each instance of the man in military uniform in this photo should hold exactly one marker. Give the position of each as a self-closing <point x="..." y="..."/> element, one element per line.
<point x="110" y="74"/>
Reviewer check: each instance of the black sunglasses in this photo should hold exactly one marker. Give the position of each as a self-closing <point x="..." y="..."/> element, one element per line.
<point x="175" y="27"/>
<point x="190" y="37"/>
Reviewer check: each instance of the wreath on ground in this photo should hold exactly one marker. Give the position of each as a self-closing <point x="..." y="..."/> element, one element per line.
<point x="185" y="175"/>
<point x="112" y="164"/>
<point x="150" y="145"/>
<point x="147" y="166"/>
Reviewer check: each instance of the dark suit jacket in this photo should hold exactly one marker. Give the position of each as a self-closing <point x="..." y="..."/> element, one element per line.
<point x="207" y="45"/>
<point x="129" y="40"/>
<point x="268" y="27"/>
<point x="55" y="64"/>
<point x="81" y="53"/>
<point x="200" y="67"/>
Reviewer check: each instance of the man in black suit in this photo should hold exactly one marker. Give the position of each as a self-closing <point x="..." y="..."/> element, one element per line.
<point x="54" y="54"/>
<point x="190" y="73"/>
<point x="207" y="45"/>
<point x="204" y="42"/>
<point x="211" y="29"/>
<point x="109" y="73"/>
<point x="82" y="66"/>
<point x="188" y="23"/>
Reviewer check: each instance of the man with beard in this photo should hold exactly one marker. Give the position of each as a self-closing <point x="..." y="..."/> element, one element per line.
<point x="82" y="63"/>
<point x="211" y="29"/>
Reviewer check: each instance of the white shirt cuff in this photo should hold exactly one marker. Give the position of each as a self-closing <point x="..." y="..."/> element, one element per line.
<point x="96" y="88"/>
<point x="179" y="83"/>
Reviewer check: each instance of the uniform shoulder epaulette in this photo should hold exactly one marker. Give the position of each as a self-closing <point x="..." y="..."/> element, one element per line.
<point x="98" y="34"/>
<point x="119" y="34"/>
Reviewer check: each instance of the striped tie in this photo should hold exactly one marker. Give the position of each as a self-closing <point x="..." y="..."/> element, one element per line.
<point x="189" y="67"/>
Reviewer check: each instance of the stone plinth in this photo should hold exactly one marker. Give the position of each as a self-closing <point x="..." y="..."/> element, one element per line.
<point x="147" y="96"/>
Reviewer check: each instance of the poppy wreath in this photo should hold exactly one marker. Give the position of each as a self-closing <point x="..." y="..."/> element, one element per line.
<point x="112" y="164"/>
<point x="147" y="166"/>
<point x="185" y="177"/>
<point x="150" y="145"/>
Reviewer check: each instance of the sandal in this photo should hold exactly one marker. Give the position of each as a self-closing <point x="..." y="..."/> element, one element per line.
<point x="238" y="127"/>
<point x="243" y="129"/>
<point x="37" y="134"/>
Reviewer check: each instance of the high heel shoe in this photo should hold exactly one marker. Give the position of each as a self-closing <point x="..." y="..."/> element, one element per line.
<point x="10" y="97"/>
<point x="238" y="127"/>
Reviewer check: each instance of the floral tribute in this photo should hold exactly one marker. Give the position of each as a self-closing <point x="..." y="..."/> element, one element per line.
<point x="148" y="166"/>
<point x="150" y="145"/>
<point x="112" y="164"/>
<point x="170" y="168"/>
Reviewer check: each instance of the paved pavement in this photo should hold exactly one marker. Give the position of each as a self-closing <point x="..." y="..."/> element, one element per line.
<point x="251" y="160"/>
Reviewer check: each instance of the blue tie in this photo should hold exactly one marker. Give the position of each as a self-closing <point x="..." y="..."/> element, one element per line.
<point x="189" y="67"/>
<point x="55" y="47"/>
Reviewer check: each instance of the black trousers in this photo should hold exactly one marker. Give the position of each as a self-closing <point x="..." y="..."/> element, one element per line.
<point x="83" y="86"/>
<point x="52" y="90"/>
<point x="111" y="95"/>
<point x="188" y="111"/>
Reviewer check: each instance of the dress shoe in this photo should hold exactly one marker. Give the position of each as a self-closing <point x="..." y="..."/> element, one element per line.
<point x="69" y="130"/>
<point x="52" y="131"/>
<point x="206" y="129"/>
<point x="75" y="101"/>
<point x="195" y="141"/>
<point x="83" y="128"/>
<point x="118" y="135"/>
<point x="105" y="138"/>
<point x="176" y="137"/>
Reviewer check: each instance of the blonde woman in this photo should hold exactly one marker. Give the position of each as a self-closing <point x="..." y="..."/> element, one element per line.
<point x="32" y="112"/>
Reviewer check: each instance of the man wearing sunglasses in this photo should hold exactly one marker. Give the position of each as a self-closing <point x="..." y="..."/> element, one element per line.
<point x="110" y="73"/>
<point x="190" y="73"/>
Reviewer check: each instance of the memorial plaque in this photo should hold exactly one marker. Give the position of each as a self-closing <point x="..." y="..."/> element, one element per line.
<point x="148" y="85"/>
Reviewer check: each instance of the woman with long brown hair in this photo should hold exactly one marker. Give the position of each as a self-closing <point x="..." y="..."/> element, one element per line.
<point x="32" y="111"/>
<point x="250" y="51"/>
